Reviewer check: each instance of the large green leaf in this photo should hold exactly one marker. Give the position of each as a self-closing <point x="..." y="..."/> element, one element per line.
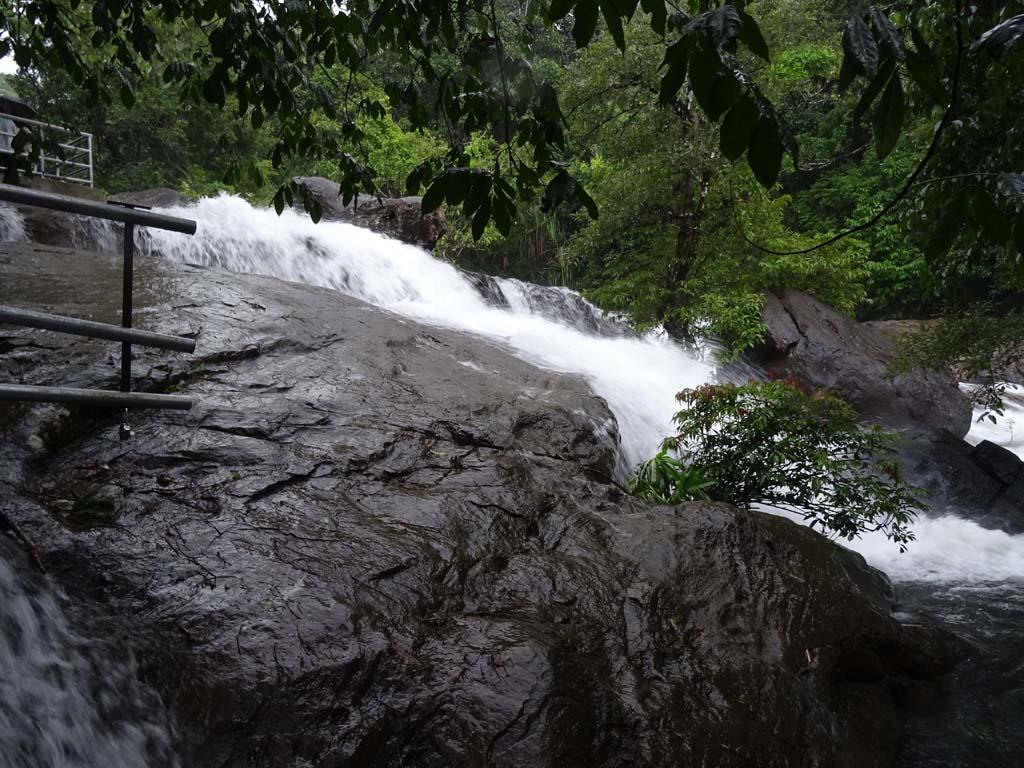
<point x="560" y="9"/>
<point x="480" y="219"/>
<point x="989" y="217"/>
<point x="1001" y="37"/>
<point x="847" y="72"/>
<point x="878" y="82"/>
<point x="459" y="181"/>
<point x="557" y="191"/>
<point x="859" y="43"/>
<point x="658" y="12"/>
<point x="887" y="121"/>
<point x="723" y="95"/>
<point x="750" y="36"/>
<point x="614" y="23"/>
<point x="721" y="25"/>
<point x="926" y="75"/>
<point x="765" y="150"/>
<point x="434" y="195"/>
<point x="705" y="68"/>
<point x="587" y="202"/>
<point x="737" y="128"/>
<point x="502" y="212"/>
<point x="887" y="32"/>
<point x="671" y="82"/>
<point x="585" y="23"/>
<point x="946" y="228"/>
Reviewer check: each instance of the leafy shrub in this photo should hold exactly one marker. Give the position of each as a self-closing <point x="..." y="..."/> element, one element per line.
<point x="666" y="480"/>
<point x="772" y="444"/>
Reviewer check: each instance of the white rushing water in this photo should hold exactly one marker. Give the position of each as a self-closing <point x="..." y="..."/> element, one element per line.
<point x="1006" y="429"/>
<point x="60" y="705"/>
<point x="948" y="548"/>
<point x="638" y="377"/>
<point x="12" y="224"/>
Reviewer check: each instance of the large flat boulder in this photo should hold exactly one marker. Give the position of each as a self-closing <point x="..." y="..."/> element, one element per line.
<point x="826" y="349"/>
<point x="377" y="543"/>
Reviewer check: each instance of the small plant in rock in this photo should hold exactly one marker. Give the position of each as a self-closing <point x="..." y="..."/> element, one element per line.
<point x="666" y="480"/>
<point x="772" y="444"/>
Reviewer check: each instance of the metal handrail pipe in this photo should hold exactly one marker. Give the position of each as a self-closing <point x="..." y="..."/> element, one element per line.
<point x="68" y="204"/>
<point x="31" y="319"/>
<point x="96" y="397"/>
<point x="62" y="177"/>
<point x="40" y="124"/>
<point x="58" y="161"/>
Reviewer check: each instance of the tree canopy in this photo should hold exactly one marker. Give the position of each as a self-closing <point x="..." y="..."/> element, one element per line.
<point x="673" y="160"/>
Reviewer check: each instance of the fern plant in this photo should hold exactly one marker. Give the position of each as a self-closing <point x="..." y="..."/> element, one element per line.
<point x="666" y="480"/>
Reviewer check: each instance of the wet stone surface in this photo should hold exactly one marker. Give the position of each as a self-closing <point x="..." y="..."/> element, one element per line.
<point x="358" y="550"/>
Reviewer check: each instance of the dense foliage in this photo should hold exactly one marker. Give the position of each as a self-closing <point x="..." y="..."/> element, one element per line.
<point x="773" y="445"/>
<point x="597" y="143"/>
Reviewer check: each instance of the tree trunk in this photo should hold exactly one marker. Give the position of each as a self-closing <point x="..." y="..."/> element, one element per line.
<point x="688" y="217"/>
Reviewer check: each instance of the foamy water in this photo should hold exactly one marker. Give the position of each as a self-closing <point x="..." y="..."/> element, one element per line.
<point x="638" y="377"/>
<point x="950" y="549"/>
<point x="61" y="705"/>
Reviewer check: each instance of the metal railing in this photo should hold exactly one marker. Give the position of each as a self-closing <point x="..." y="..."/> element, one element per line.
<point x="131" y="217"/>
<point x="76" y="163"/>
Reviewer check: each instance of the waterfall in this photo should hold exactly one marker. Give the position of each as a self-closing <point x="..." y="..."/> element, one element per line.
<point x="555" y="328"/>
<point x="551" y="327"/>
<point x="63" y="704"/>
<point x="12" y="224"/>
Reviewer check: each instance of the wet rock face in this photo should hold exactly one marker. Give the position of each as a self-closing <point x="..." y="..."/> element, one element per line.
<point x="377" y="543"/>
<point x="827" y="349"/>
<point x="984" y="482"/>
<point x="397" y="217"/>
<point x="157" y="197"/>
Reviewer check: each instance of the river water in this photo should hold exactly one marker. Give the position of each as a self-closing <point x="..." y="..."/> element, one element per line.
<point x="968" y="576"/>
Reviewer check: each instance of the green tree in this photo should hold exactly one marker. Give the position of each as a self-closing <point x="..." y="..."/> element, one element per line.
<point x="265" y="58"/>
<point x="771" y="444"/>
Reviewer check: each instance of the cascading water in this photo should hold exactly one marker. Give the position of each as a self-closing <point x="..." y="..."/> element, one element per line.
<point x="62" y="705"/>
<point x="12" y="225"/>
<point x="638" y="377"/>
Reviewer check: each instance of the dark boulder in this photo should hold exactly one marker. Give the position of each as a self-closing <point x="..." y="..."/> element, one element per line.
<point x="984" y="483"/>
<point x="399" y="217"/>
<point x="488" y="287"/>
<point x="357" y="550"/>
<point x="824" y="348"/>
<point x="553" y="302"/>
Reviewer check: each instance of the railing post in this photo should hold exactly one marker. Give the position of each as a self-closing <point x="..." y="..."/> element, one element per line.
<point x="126" y="319"/>
<point x="90" y="158"/>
